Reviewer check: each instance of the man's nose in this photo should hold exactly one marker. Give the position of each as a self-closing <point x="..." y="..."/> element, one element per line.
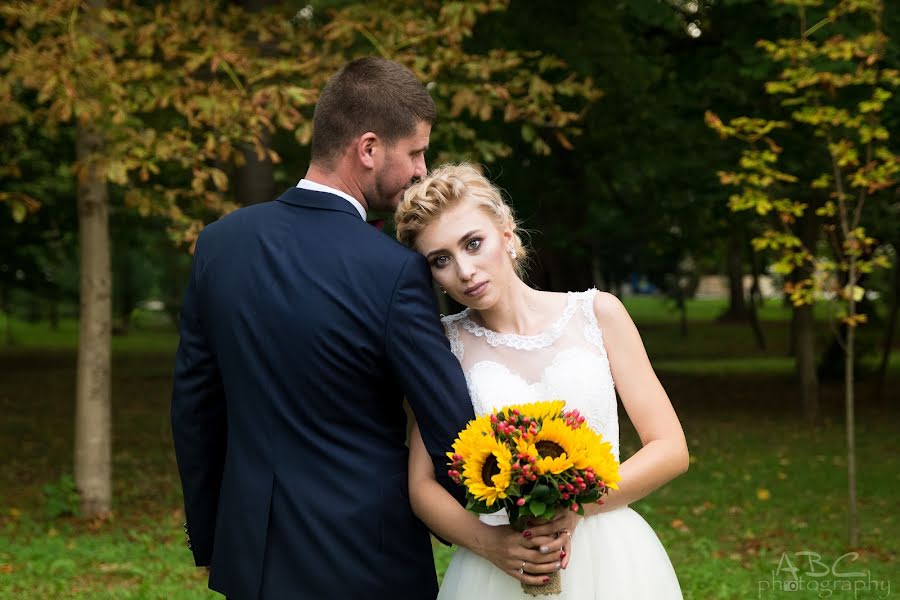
<point x="421" y="167"/>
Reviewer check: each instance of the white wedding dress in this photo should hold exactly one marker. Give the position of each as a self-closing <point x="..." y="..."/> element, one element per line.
<point x="614" y="554"/>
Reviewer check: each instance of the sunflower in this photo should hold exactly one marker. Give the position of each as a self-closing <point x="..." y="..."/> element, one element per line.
<point x="471" y="437"/>
<point x="558" y="447"/>
<point x="487" y="470"/>
<point x="598" y="456"/>
<point x="538" y="410"/>
<point x="607" y="469"/>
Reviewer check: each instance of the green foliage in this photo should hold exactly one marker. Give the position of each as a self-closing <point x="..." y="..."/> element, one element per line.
<point x="61" y="498"/>
<point x="835" y="89"/>
<point x="176" y="89"/>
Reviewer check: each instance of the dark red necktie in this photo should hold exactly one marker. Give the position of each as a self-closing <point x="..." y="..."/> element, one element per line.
<point x="377" y="224"/>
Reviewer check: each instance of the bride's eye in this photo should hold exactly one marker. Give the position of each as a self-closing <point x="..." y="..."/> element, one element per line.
<point x="473" y="244"/>
<point x="440" y="261"/>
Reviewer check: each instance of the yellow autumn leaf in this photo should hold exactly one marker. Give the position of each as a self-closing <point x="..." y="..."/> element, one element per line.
<point x="220" y="179"/>
<point x="763" y="494"/>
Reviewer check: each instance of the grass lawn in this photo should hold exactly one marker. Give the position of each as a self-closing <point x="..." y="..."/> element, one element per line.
<point x="761" y="483"/>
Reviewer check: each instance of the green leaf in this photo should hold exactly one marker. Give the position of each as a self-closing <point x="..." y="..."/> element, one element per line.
<point x="537" y="508"/>
<point x="541" y="492"/>
<point x="18" y="211"/>
<point x="588" y="498"/>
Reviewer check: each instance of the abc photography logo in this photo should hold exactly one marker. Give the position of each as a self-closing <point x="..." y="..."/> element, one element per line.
<point x="808" y="573"/>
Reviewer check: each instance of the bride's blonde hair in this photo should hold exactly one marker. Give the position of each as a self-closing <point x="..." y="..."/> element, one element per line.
<point x="445" y="187"/>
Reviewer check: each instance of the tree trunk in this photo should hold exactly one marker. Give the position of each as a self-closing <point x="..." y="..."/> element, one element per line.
<point x="889" y="331"/>
<point x="53" y="312"/>
<point x="849" y="400"/>
<point x="737" y="306"/>
<point x="254" y="181"/>
<point x="682" y="308"/>
<point x="805" y="361"/>
<point x="753" y="305"/>
<point x="93" y="468"/>
<point x="7" y="316"/>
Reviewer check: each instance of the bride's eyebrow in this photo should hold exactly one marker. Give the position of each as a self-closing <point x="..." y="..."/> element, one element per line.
<point x="461" y="241"/>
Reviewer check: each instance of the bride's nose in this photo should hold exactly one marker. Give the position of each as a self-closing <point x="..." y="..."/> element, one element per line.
<point x="465" y="269"/>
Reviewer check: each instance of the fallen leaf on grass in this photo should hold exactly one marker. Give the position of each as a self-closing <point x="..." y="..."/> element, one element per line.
<point x="680" y="526"/>
<point x="702" y="508"/>
<point x="6" y="568"/>
<point x="763" y="494"/>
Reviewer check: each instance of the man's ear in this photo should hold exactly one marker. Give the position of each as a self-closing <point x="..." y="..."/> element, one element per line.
<point x="367" y="147"/>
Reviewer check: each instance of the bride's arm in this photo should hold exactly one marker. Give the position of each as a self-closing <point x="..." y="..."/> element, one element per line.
<point x="502" y="545"/>
<point x="664" y="454"/>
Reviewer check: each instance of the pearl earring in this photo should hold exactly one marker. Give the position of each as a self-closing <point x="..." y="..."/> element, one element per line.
<point x="512" y="251"/>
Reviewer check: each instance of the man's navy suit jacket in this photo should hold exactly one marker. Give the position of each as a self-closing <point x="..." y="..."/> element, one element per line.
<point x="302" y="329"/>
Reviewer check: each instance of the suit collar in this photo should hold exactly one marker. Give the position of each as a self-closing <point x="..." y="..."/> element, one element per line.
<point x="320" y="200"/>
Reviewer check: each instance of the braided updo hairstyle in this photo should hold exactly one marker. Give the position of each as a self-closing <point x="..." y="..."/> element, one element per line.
<point x="444" y="188"/>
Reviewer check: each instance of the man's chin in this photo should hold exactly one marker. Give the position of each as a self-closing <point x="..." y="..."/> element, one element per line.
<point x="391" y="204"/>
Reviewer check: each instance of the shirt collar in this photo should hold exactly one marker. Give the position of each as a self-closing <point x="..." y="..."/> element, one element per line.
<point x="306" y="184"/>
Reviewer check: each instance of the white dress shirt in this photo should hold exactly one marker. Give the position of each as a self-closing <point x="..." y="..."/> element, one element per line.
<point x="306" y="184"/>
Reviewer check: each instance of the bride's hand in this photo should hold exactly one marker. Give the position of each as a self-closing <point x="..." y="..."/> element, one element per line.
<point x="528" y="558"/>
<point x="556" y="535"/>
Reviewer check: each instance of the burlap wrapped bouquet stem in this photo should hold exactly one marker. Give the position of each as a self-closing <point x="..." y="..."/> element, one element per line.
<point x="552" y="587"/>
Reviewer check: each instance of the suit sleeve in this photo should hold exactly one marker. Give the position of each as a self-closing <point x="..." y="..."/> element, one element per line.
<point x="198" y="422"/>
<point x="419" y="354"/>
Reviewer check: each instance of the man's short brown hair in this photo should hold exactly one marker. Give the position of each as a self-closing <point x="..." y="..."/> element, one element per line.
<point x="369" y="94"/>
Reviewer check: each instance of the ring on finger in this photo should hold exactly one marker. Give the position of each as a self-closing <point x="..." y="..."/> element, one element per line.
<point x="522" y="568"/>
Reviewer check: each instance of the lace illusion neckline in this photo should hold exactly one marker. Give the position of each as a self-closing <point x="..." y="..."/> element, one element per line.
<point x="522" y="342"/>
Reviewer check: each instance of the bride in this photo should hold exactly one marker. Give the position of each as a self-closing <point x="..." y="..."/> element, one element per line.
<point x="517" y="345"/>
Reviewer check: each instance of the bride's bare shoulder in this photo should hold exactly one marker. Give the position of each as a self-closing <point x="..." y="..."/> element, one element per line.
<point x="609" y="309"/>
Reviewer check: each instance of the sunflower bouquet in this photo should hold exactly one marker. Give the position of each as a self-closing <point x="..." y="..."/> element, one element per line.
<point x="532" y="460"/>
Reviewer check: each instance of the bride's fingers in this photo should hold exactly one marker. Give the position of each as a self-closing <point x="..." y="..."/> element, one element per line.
<point x="548" y="544"/>
<point x="531" y="573"/>
<point x="565" y="535"/>
<point x="565" y="554"/>
<point x="535" y="556"/>
<point x="532" y="579"/>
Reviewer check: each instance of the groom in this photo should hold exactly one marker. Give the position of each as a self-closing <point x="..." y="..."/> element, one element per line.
<point x="302" y="329"/>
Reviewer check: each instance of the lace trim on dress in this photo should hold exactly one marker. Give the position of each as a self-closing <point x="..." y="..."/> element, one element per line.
<point x="452" y="330"/>
<point x="592" y="331"/>
<point x="523" y="342"/>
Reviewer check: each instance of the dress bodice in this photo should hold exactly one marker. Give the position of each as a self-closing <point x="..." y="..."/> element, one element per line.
<point x="567" y="362"/>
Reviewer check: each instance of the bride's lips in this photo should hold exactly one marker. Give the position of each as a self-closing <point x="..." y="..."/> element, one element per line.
<point x="476" y="290"/>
